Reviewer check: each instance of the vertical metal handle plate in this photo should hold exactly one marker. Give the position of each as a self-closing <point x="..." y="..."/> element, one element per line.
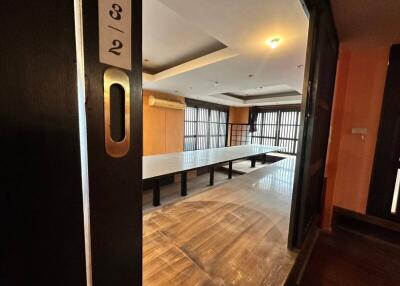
<point x="115" y="76"/>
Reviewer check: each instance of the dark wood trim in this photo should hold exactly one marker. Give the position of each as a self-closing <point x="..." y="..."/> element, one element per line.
<point x="285" y="107"/>
<point x="366" y="225"/>
<point x="197" y="131"/>
<point x="320" y="5"/>
<point x="199" y="103"/>
<point x="387" y="151"/>
<point x="227" y="129"/>
<point x="304" y="254"/>
<point x="306" y="188"/>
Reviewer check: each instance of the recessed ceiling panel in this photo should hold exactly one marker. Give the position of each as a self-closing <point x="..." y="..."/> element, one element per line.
<point x="264" y="90"/>
<point x="169" y="40"/>
<point x="178" y="29"/>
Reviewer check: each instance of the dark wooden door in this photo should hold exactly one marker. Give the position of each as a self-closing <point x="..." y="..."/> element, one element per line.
<point x="115" y="182"/>
<point x="320" y="73"/>
<point x="42" y="226"/>
<point x="386" y="171"/>
<point x="51" y="104"/>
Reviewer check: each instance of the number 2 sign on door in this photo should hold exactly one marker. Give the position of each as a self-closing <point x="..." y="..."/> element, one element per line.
<point x="115" y="33"/>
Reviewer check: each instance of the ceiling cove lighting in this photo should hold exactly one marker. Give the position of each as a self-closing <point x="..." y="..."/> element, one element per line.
<point x="273" y="43"/>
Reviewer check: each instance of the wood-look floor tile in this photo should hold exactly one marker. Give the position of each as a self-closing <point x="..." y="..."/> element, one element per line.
<point x="234" y="234"/>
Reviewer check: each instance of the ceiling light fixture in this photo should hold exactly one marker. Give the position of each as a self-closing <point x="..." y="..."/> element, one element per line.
<point x="273" y="43"/>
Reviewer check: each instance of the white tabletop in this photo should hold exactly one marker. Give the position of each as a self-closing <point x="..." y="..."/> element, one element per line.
<point x="164" y="164"/>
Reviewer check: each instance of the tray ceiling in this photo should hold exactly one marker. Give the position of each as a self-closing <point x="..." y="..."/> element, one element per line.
<point x="204" y="49"/>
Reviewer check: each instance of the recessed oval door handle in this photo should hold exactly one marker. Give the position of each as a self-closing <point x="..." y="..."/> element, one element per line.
<point x="113" y="76"/>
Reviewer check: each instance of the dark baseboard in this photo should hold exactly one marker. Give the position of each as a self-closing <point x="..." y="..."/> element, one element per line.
<point x="304" y="254"/>
<point x="366" y="225"/>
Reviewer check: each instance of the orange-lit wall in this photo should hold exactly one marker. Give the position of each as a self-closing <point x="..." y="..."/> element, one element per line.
<point x="358" y="98"/>
<point x="162" y="128"/>
<point x="237" y="115"/>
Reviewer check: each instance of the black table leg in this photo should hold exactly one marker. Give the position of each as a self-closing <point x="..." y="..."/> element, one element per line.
<point x="230" y="170"/>
<point x="183" y="184"/>
<point x="211" y="175"/>
<point x="264" y="159"/>
<point x="253" y="162"/>
<point x="156" y="192"/>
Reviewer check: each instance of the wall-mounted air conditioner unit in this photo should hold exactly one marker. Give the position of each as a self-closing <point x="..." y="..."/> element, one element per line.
<point x="157" y="102"/>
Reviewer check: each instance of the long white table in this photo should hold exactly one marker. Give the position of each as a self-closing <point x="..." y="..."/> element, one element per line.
<point x="157" y="166"/>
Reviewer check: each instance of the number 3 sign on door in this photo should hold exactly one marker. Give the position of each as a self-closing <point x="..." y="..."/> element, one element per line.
<point x="115" y="33"/>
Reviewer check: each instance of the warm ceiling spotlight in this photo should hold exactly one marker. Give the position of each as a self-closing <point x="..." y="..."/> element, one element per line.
<point x="273" y="43"/>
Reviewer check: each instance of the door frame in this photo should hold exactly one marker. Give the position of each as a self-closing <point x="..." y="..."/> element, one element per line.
<point x="312" y="9"/>
<point x="115" y="181"/>
<point x="383" y="176"/>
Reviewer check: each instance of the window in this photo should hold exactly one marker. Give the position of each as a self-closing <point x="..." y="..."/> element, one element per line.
<point x="289" y="125"/>
<point x="266" y="127"/>
<point x="274" y="127"/>
<point x="278" y="127"/>
<point x="205" y="127"/>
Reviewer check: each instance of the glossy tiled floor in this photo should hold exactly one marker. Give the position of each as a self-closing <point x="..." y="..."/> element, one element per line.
<point x="233" y="234"/>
